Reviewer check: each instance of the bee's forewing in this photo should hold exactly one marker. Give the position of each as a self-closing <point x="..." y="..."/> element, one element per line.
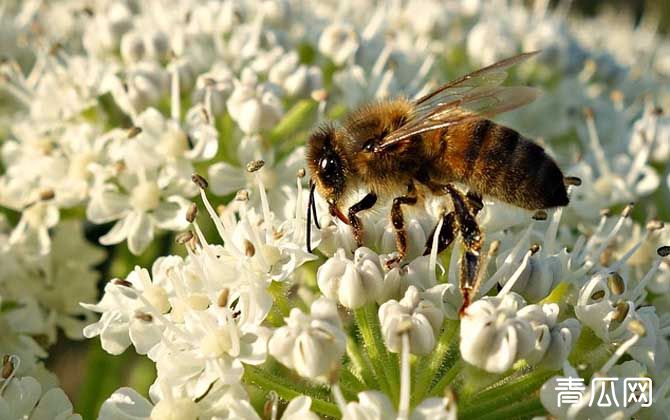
<point x="474" y="95"/>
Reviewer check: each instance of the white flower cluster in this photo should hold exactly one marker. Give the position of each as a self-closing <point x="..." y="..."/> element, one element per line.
<point x="110" y="109"/>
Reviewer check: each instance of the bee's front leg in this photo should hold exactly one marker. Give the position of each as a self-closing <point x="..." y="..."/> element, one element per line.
<point x="356" y="226"/>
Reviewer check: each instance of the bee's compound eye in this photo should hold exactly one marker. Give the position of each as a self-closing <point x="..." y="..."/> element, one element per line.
<point x="327" y="164"/>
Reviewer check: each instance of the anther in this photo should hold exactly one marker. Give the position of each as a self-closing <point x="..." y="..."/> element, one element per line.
<point x="620" y="311"/>
<point x="209" y="82"/>
<point x="242" y="195"/>
<point x="598" y="295"/>
<point x="572" y="180"/>
<point x="191" y="213"/>
<point x="143" y="316"/>
<point x="249" y="249"/>
<point x="655" y="225"/>
<point x="637" y="328"/>
<point x="57" y="46"/>
<point x="301" y="173"/>
<point x="404" y="327"/>
<point x="222" y="300"/>
<point x="494" y="247"/>
<point x="534" y="249"/>
<point x="588" y="112"/>
<point x="605" y="212"/>
<point x="121" y="282"/>
<point x="657" y="111"/>
<point x="255" y="165"/>
<point x="540" y="215"/>
<point x="119" y="167"/>
<point x="133" y="132"/>
<point x="46" y="195"/>
<point x="7" y="367"/>
<point x="663" y="251"/>
<point x="199" y="181"/>
<point x="617" y="96"/>
<point x="627" y="210"/>
<point x="615" y="283"/>
<point x="320" y="95"/>
<point x="184" y="237"/>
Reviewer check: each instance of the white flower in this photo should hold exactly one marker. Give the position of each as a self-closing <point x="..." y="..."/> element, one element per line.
<point x="129" y="308"/>
<point x="296" y="79"/>
<point x="339" y="42"/>
<point x="420" y="318"/>
<point x="553" y="341"/>
<point x="141" y="206"/>
<point x="491" y="40"/>
<point x="373" y="405"/>
<point x="24" y="398"/>
<point x="253" y="105"/>
<point x="219" y="402"/>
<point x="493" y="336"/>
<point x="312" y="344"/>
<point x="351" y="283"/>
<point x="652" y="131"/>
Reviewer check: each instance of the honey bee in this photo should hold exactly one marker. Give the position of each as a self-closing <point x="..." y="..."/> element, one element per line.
<point x="408" y="149"/>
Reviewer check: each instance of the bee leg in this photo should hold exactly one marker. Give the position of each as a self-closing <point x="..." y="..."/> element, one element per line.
<point x="472" y="241"/>
<point x="398" y="222"/>
<point x="447" y="234"/>
<point x="356" y="227"/>
<point x="475" y="203"/>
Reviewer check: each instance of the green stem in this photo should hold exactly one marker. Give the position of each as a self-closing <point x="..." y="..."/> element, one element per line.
<point x="288" y="390"/>
<point x="368" y="325"/>
<point x="429" y="365"/>
<point x="278" y="292"/>
<point x="505" y="394"/>
<point x="350" y="384"/>
<point x="361" y="364"/>
<point x="522" y="410"/>
<point x="449" y="376"/>
<point x="295" y="118"/>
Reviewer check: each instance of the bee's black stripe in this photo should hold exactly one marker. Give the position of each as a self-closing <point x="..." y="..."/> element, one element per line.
<point x="502" y="154"/>
<point x="479" y="135"/>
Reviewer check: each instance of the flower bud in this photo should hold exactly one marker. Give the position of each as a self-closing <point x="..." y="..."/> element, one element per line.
<point x="421" y="319"/>
<point x="352" y="283"/>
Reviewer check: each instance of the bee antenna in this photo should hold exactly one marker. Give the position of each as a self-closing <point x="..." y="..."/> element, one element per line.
<point x="313" y="206"/>
<point x="308" y="230"/>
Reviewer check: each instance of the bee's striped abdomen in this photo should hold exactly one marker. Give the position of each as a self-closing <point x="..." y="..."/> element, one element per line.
<point x="499" y="162"/>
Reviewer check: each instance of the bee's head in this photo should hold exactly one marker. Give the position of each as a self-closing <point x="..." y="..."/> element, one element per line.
<point x="327" y="162"/>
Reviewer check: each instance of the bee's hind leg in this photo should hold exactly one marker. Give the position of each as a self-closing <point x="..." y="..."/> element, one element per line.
<point x="465" y="209"/>
<point x="472" y="241"/>
<point x="356" y="226"/>
<point x="398" y="222"/>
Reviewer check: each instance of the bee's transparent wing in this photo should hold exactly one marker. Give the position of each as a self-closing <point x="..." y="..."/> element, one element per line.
<point x="475" y="95"/>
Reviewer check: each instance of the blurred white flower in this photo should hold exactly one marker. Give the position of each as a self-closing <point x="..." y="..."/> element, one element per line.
<point x="312" y="344"/>
<point x="25" y="398"/>
<point x="339" y="42"/>
<point x="253" y="105"/>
